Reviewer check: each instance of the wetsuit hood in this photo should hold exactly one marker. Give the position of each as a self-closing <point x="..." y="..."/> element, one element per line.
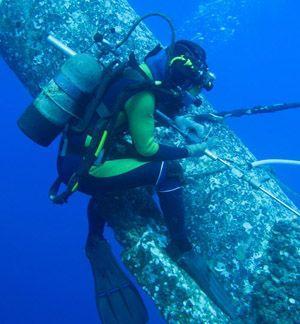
<point x="185" y="66"/>
<point x="157" y="64"/>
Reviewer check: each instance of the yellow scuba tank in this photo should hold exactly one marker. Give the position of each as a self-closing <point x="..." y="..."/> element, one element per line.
<point x="63" y="100"/>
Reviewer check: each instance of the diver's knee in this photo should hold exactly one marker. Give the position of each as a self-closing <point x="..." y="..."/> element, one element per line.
<point x="173" y="177"/>
<point x="93" y="208"/>
<point x="174" y="170"/>
<point x="96" y="219"/>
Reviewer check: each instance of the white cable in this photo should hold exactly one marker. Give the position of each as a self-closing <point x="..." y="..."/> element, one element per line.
<point x="274" y="161"/>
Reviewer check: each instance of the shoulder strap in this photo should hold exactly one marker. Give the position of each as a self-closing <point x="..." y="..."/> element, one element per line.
<point x="112" y="71"/>
<point x="96" y="153"/>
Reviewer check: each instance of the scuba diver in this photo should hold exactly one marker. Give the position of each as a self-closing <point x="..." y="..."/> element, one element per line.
<point x="95" y="109"/>
<point x="144" y="162"/>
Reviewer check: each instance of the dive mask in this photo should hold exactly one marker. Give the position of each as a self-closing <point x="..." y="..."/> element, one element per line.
<point x="188" y="67"/>
<point x="188" y="73"/>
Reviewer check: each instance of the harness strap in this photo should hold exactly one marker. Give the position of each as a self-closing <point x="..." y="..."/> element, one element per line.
<point x="96" y="154"/>
<point x="109" y="73"/>
<point x="63" y="197"/>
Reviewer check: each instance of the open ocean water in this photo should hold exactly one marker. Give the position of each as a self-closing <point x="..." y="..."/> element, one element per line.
<point x="254" y="49"/>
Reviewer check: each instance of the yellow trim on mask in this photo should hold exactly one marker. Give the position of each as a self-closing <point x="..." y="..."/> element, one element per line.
<point x="177" y="58"/>
<point x="189" y="63"/>
<point x="182" y="58"/>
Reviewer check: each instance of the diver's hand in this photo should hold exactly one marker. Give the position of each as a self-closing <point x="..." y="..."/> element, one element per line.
<point x="190" y="127"/>
<point x="199" y="149"/>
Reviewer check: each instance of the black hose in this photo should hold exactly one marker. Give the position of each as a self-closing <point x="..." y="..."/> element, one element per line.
<point x="154" y="14"/>
<point x="259" y="110"/>
<point x="220" y="116"/>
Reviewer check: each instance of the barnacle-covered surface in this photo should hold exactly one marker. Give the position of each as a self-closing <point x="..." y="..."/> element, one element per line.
<point x="232" y="224"/>
<point x="251" y="242"/>
<point x="278" y="285"/>
<point x="25" y="25"/>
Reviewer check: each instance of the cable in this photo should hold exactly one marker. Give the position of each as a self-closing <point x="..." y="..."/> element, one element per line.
<point x="274" y="161"/>
<point x="260" y="110"/>
<point x="220" y="116"/>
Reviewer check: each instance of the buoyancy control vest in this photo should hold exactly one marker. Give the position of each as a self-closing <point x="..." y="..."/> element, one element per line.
<point x="91" y="142"/>
<point x="71" y="103"/>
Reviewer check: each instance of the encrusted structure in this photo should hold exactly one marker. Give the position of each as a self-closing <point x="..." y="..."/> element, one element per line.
<point x="250" y="240"/>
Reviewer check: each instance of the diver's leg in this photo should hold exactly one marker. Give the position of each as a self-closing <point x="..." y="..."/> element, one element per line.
<point x="120" y="175"/>
<point x="117" y="299"/>
<point x="170" y="194"/>
<point x="167" y="177"/>
<point x="171" y="203"/>
<point x="95" y="219"/>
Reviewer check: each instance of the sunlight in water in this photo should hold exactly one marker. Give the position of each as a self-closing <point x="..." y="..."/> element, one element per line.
<point x="217" y="20"/>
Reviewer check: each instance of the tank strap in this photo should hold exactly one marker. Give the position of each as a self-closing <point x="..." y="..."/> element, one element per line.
<point x="69" y="88"/>
<point x="112" y="71"/>
<point x="94" y="153"/>
<point x="62" y="198"/>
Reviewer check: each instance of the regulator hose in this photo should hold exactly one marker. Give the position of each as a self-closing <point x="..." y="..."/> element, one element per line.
<point x="141" y="19"/>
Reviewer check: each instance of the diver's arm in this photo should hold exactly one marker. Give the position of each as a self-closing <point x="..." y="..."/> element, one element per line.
<point x="188" y="126"/>
<point x="140" y="111"/>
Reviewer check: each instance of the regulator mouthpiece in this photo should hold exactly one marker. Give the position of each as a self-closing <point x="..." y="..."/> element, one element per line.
<point x="209" y="81"/>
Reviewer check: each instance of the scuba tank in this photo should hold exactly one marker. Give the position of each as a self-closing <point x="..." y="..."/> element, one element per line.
<point x="63" y="100"/>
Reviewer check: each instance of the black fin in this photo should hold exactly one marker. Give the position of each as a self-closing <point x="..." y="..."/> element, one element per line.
<point x="117" y="299"/>
<point x="198" y="269"/>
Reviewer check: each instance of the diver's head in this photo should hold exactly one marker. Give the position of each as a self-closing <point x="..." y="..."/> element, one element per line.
<point x="187" y="66"/>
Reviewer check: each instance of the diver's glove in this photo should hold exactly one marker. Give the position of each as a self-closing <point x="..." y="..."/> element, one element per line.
<point x="200" y="149"/>
<point x="190" y="127"/>
<point x="197" y="150"/>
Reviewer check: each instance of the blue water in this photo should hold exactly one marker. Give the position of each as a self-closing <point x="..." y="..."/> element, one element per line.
<point x="254" y="48"/>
